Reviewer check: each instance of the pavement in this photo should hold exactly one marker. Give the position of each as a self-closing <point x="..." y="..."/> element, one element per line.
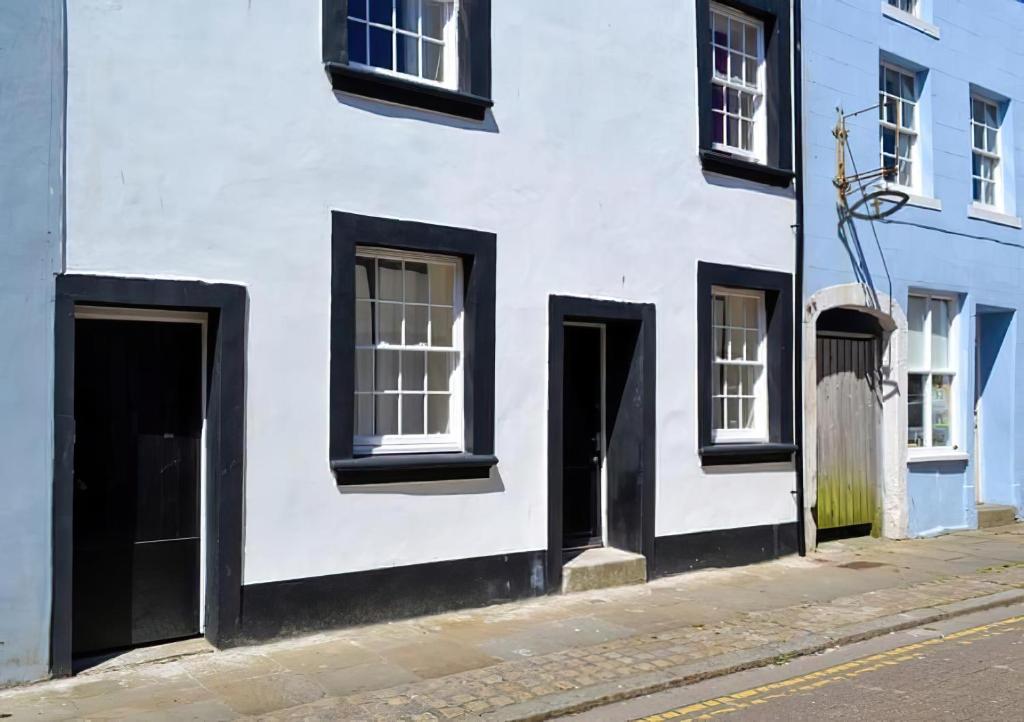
<point x="552" y="656"/>
<point x="968" y="668"/>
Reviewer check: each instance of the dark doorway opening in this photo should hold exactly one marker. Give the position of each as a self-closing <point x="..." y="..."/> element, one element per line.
<point x="600" y="429"/>
<point x="138" y="405"/>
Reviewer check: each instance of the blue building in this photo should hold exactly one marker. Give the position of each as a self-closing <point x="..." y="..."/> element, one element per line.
<point x="913" y="374"/>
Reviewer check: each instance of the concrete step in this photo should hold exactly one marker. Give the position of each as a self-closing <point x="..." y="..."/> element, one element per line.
<point x="603" y="568"/>
<point x="990" y="515"/>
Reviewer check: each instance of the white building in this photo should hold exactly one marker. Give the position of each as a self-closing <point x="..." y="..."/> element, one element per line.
<point x="334" y="347"/>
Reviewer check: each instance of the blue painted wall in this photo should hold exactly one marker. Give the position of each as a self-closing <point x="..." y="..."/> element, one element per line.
<point x="31" y="226"/>
<point x="925" y="249"/>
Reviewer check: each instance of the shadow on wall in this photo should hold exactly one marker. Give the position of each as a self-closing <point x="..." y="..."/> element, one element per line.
<point x="390" y="110"/>
<point x="726" y="181"/>
<point x="847" y="231"/>
<point x="493" y="484"/>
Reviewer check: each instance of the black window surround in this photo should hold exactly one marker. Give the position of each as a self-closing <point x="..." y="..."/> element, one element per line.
<point x="478" y="250"/>
<point x="778" y="302"/>
<point x="470" y="100"/>
<point x="778" y="171"/>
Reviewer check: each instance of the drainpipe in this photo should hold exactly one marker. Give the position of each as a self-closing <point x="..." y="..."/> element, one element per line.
<point x="798" y="278"/>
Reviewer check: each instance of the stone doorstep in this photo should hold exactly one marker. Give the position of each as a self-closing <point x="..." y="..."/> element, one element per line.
<point x="993" y="515"/>
<point x="603" y="568"/>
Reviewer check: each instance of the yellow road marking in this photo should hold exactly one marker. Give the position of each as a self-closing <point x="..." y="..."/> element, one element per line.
<point x="815" y="680"/>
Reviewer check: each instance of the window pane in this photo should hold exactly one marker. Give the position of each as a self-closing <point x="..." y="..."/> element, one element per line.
<point x="442" y="284"/>
<point x="364" y="323"/>
<point x="751" y="44"/>
<point x="747" y="408"/>
<point x="751" y="374"/>
<point x="407" y="14"/>
<point x="720" y="29"/>
<point x="412" y="413"/>
<point x="386" y="421"/>
<point x="365" y="278"/>
<point x="416" y="325"/>
<point x="915" y="410"/>
<point x="979" y="137"/>
<point x="941" y="395"/>
<point x="732" y="413"/>
<point x="433" y="61"/>
<point x="435" y="16"/>
<point x="380" y="48"/>
<point x="732" y="380"/>
<point x="736" y="343"/>
<point x="389" y="281"/>
<point x="917" y="313"/>
<point x="386" y="376"/>
<point x="716" y="413"/>
<point x="357" y="9"/>
<point x="380" y="11"/>
<point x="940" y="333"/>
<point x="718" y="310"/>
<point x="356" y="42"/>
<point x="736" y="67"/>
<point x="415" y="282"/>
<point x="363" y="415"/>
<point x="438" y="409"/>
<point x="413" y="368"/>
<point x="752" y="346"/>
<point x="389" y="316"/>
<point x="407" y="53"/>
<point x="364" y="369"/>
<point x="441" y="327"/>
<point x="439" y="371"/>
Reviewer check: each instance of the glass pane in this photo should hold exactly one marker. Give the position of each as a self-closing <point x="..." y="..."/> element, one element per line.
<point x="734" y="312"/>
<point x="407" y="14"/>
<point x="940" y="333"/>
<point x="433" y="61"/>
<point x="917" y="313"/>
<point x="750" y="72"/>
<point x="736" y="67"/>
<point x="380" y="11"/>
<point x="732" y="380"/>
<point x="389" y="316"/>
<point x="364" y="369"/>
<point x="442" y="284"/>
<point x="732" y="100"/>
<point x="357" y="9"/>
<point x="979" y="137"/>
<point x="387" y="414"/>
<point x="365" y="278"/>
<point x="990" y="115"/>
<point x="990" y="138"/>
<point x="721" y="59"/>
<point x="732" y="413"/>
<point x="907" y="112"/>
<point x="439" y="371"/>
<point x="979" y="193"/>
<point x="915" y="410"/>
<point x="386" y="375"/>
<point x="435" y="16"/>
<point x="415" y="282"/>
<point x="732" y="132"/>
<point x="746" y="135"/>
<point x="364" y="323"/>
<point x="356" y="42"/>
<point x="717" y="389"/>
<point x="751" y="44"/>
<point x="747" y="407"/>
<point x="441" y="327"/>
<point x="720" y="341"/>
<point x="941" y="395"/>
<point x="716" y="413"/>
<point x="438" y="406"/>
<point x="389" y="280"/>
<point x="718" y="127"/>
<point x="752" y="346"/>
<point x="412" y="413"/>
<point x="416" y="325"/>
<point x="363" y="415"/>
<point x="720" y="29"/>
<point x="907" y="87"/>
<point x="748" y="379"/>
<point x="736" y="343"/>
<point x="888" y="141"/>
<point x="717" y="310"/>
<point x="380" y="47"/>
<point x="407" y="54"/>
<point x="905" y="175"/>
<point x="413" y="367"/>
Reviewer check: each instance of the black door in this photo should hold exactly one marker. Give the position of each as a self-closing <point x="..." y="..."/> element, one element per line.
<point x="581" y="438"/>
<point x="138" y="419"/>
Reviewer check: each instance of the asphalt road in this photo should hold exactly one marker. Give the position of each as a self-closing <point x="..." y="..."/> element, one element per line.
<point x="971" y="668"/>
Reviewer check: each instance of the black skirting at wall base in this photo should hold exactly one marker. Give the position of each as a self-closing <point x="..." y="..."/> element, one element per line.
<point x="723" y="548"/>
<point x="278" y="609"/>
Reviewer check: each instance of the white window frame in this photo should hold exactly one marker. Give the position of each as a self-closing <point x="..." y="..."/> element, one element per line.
<point x="759" y="153"/>
<point x="913" y="132"/>
<point x="912" y="6"/>
<point x="928" y="372"/>
<point x="454" y="440"/>
<point x="996" y="156"/>
<point x="450" y="38"/>
<point x="759" y="432"/>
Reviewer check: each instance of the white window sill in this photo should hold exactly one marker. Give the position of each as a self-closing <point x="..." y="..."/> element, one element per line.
<point x="981" y="213"/>
<point x="926" y="202"/>
<point x="912" y="21"/>
<point x="921" y="456"/>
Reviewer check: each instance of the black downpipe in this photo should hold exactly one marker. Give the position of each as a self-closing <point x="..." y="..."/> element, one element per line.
<point x="798" y="291"/>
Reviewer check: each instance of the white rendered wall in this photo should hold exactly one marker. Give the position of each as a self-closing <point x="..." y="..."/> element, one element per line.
<point x="204" y="141"/>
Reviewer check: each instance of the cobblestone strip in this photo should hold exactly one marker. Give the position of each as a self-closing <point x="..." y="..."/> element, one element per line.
<point x="471" y="694"/>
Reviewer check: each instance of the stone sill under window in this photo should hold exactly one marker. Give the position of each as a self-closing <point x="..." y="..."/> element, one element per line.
<point x="714" y="161"/>
<point x="926" y="456"/>
<point x="910" y="20"/>
<point x="917" y="201"/>
<point x="757" y="453"/>
<point x="348" y="79"/>
<point x="980" y="213"/>
<point x="398" y="468"/>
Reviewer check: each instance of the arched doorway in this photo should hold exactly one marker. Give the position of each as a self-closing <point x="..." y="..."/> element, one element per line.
<point x="855" y="419"/>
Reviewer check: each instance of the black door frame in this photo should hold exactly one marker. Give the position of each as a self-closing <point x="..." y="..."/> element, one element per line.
<point x="226" y="309"/>
<point x="571" y="308"/>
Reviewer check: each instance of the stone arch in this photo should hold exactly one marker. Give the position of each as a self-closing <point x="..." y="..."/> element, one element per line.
<point x="893" y="434"/>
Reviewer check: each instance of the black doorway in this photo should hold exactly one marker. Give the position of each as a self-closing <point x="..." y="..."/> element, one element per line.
<point x="136" y="528"/>
<point x="583" y="438"/>
<point x="583" y="399"/>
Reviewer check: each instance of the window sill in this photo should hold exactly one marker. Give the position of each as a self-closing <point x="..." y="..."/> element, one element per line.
<point x="347" y="79"/>
<point x="728" y="454"/>
<point x="926" y="202"/>
<point x="912" y="21"/>
<point x="397" y="468"/>
<point x="981" y="213"/>
<point x="924" y="456"/>
<point x="714" y="161"/>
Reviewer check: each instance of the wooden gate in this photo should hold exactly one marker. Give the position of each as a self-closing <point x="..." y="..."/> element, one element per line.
<point x="849" y="413"/>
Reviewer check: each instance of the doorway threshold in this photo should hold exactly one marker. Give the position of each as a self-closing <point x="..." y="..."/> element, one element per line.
<point x="603" y="568"/>
<point x="152" y="653"/>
